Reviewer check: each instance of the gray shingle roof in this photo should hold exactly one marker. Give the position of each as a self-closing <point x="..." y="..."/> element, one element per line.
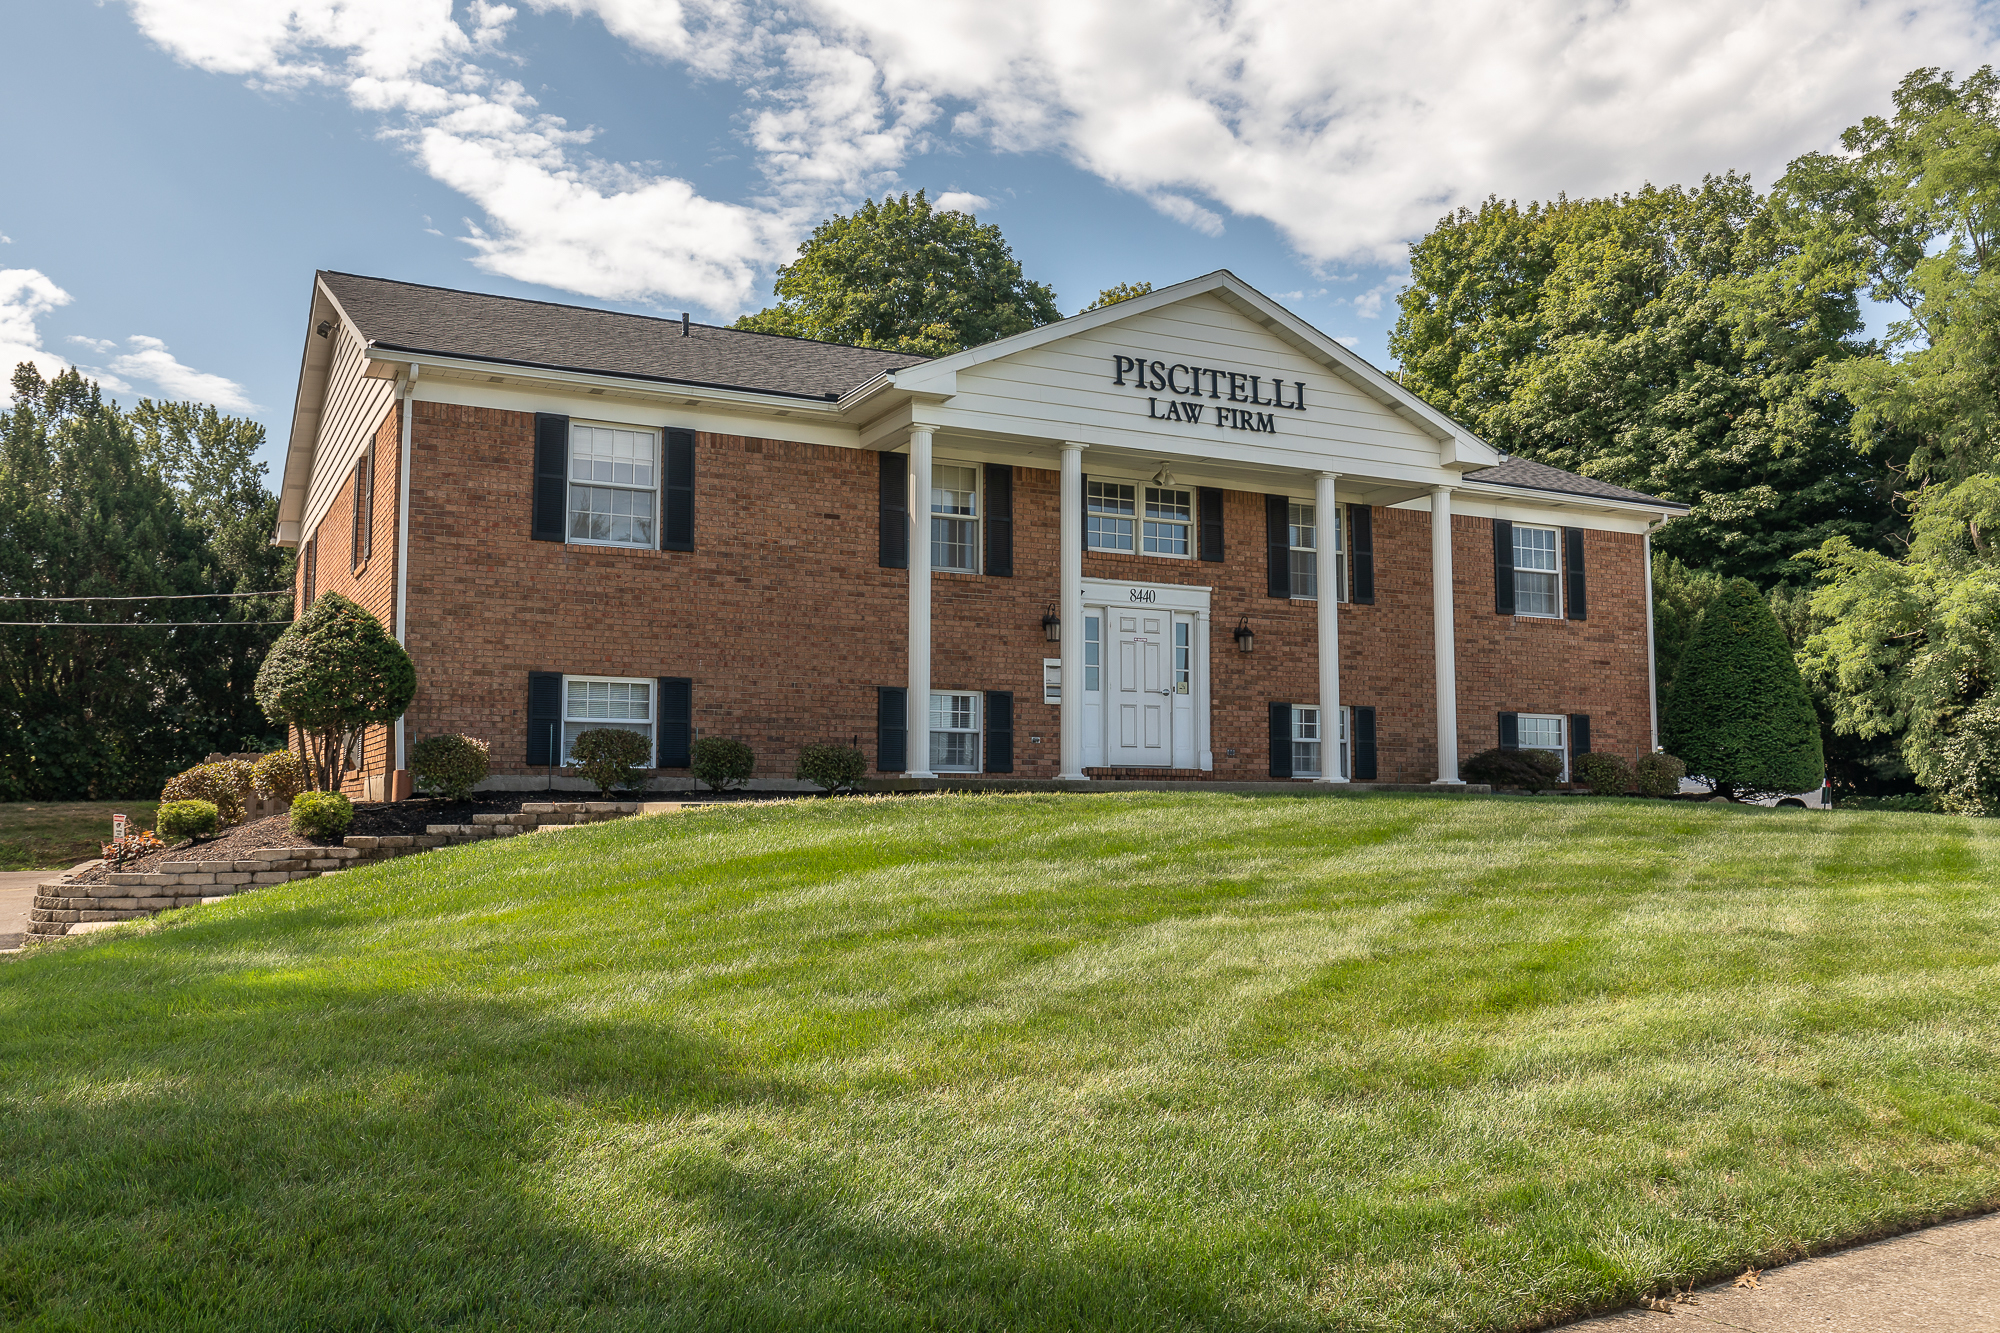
<point x="407" y="317"/>
<point x="1532" y="476"/>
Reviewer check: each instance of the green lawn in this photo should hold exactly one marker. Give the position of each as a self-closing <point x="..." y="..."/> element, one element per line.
<point x="1113" y="1062"/>
<point x="41" y="835"/>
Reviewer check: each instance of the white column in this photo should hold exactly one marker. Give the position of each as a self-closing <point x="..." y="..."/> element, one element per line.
<point x="1444" y="637"/>
<point x="1325" y="516"/>
<point x="1203" y="742"/>
<point x="920" y="604"/>
<point x="1069" y="606"/>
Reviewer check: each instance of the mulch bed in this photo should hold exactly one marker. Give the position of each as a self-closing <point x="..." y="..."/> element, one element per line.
<point x="373" y="819"/>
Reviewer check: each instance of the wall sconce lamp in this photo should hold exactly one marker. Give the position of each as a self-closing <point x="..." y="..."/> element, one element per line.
<point x="1246" y="638"/>
<point x="1052" y="624"/>
<point x="323" y="328"/>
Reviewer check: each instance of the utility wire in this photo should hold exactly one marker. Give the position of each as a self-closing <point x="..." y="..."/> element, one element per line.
<point x="132" y="624"/>
<point x="155" y="597"/>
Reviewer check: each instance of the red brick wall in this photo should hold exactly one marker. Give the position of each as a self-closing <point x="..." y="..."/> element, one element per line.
<point x="368" y="579"/>
<point x="787" y="625"/>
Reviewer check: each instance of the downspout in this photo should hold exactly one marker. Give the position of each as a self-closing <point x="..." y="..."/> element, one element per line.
<point x="1652" y="660"/>
<point x="403" y="545"/>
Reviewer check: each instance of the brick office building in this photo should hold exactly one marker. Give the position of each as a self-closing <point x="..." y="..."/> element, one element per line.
<point x="1184" y="536"/>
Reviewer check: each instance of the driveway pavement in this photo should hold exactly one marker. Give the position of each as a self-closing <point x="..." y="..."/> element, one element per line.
<point x="17" y="897"/>
<point x="1942" y="1280"/>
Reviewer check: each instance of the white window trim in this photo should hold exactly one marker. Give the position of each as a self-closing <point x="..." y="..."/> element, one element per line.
<point x="652" y="711"/>
<point x="977" y="731"/>
<point x="977" y="517"/>
<point x="1557" y="614"/>
<point x="1339" y="546"/>
<point x="1340" y="743"/>
<point x="1561" y="749"/>
<point x="1140" y="485"/>
<point x="658" y="488"/>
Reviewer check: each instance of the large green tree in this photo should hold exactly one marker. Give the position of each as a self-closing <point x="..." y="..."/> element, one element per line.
<point x="89" y="510"/>
<point x="903" y="275"/>
<point x="1670" y="340"/>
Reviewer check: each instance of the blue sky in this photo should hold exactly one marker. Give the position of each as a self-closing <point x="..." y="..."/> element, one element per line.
<point x="178" y="168"/>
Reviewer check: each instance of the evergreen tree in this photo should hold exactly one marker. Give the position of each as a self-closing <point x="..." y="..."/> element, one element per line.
<point x="901" y="275"/>
<point x="332" y="672"/>
<point x="1739" y="714"/>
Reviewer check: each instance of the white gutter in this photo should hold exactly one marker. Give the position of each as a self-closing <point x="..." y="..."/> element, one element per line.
<point x="403" y="538"/>
<point x="627" y="386"/>
<point x="1652" y="671"/>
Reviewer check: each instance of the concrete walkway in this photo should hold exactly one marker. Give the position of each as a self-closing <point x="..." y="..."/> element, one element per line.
<point x="17" y="898"/>
<point x="1942" y="1280"/>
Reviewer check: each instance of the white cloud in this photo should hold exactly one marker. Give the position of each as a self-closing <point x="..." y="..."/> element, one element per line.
<point x="958" y="201"/>
<point x="1350" y="127"/>
<point x="1368" y="305"/>
<point x="150" y="360"/>
<point x="25" y="296"/>
<point x="101" y="346"/>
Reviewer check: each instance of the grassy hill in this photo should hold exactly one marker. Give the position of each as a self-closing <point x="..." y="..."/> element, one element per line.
<point x="1110" y="1062"/>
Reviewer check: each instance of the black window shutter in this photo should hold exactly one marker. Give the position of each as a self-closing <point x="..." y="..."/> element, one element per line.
<point x="1510" y="731"/>
<point x="312" y="570"/>
<point x="1573" y="574"/>
<point x="676" y="721"/>
<point x="999" y="731"/>
<point x="1000" y="520"/>
<point x="1362" y="720"/>
<point x="544" y="718"/>
<point x="1083" y="489"/>
<point x="1361" y="552"/>
<point x="1210" y="500"/>
<point x="1579" y="735"/>
<point x="1278" y="538"/>
<point x="1281" y="739"/>
<point x="1503" y="567"/>
<point x="893" y="509"/>
<point x="551" y="476"/>
<point x="677" y="499"/>
<point x="892" y="729"/>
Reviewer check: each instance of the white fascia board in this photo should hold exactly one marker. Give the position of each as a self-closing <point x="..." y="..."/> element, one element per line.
<point x="1474" y="499"/>
<point x="384" y="363"/>
<point x="308" y="406"/>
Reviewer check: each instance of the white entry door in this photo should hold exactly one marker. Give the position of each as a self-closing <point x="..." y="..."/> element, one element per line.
<point x="1140" y="709"/>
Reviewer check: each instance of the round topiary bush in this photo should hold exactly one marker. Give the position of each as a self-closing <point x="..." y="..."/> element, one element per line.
<point x="723" y="764"/>
<point x="1738" y="712"/>
<point x="610" y="757"/>
<point x="834" y="767"/>
<point x="193" y="820"/>
<point x="279" y="776"/>
<point x="449" y="766"/>
<point x="1604" y="774"/>
<point x="1659" y="774"/>
<point x="1534" y="770"/>
<point x="321" y="814"/>
<point x="223" y="784"/>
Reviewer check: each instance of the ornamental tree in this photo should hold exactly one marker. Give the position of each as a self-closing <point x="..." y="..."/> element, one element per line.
<point x="334" y="671"/>
<point x="1739" y="714"/>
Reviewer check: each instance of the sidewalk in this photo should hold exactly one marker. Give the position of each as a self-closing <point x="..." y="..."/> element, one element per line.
<point x="17" y="899"/>
<point x="1945" y="1279"/>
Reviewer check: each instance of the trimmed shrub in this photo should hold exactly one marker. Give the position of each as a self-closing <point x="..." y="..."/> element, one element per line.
<point x="321" y="814"/>
<point x="723" y="764"/>
<point x="1658" y="774"/>
<point x="1914" y="802"/>
<point x="1604" y="774"/>
<point x="193" y="820"/>
<point x="610" y="757"/>
<point x="333" y="671"/>
<point x="449" y="766"/>
<point x="279" y="776"/>
<point x="1535" y="770"/>
<point x="834" y="767"/>
<point x="223" y="784"/>
<point x="1738" y="712"/>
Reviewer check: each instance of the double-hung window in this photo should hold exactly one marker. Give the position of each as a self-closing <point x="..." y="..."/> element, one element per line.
<point x="954" y="733"/>
<point x="1309" y="744"/>
<point x="1168" y="515"/>
<point x="613" y="485"/>
<point x="1109" y="515"/>
<point x="1545" y="732"/>
<point x="1537" y="573"/>
<point x="955" y="517"/>
<point x="1305" y="538"/>
<point x="363" y="540"/>
<point x="592" y="703"/>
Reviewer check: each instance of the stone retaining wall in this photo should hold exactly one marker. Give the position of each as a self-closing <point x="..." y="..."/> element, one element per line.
<point x="61" y="904"/>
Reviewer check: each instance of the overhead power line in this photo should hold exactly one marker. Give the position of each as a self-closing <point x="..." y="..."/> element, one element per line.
<point x="154" y="597"/>
<point x="133" y="624"/>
